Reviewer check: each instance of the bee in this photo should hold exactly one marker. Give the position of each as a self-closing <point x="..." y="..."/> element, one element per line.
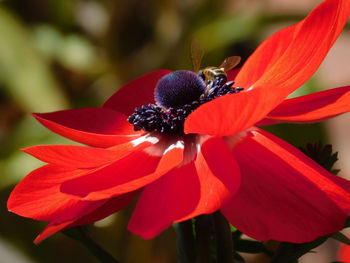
<point x="209" y="74"/>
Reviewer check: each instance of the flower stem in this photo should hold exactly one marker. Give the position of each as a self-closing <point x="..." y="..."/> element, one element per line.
<point x="79" y="234"/>
<point x="185" y="241"/>
<point x="224" y="243"/>
<point x="203" y="238"/>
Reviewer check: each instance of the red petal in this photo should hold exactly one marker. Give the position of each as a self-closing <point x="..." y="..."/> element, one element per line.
<point x="231" y="74"/>
<point x="38" y="195"/>
<point x="136" y="93"/>
<point x="51" y="229"/>
<point x="314" y="107"/>
<point x="107" y="208"/>
<point x="229" y="114"/>
<point x="265" y="56"/>
<point x="284" y="195"/>
<point x="219" y="175"/>
<point x="93" y="126"/>
<point x="87" y="157"/>
<point x="292" y="55"/>
<point x="73" y="156"/>
<point x="299" y="52"/>
<point x="312" y="40"/>
<point x="128" y="174"/>
<point x="165" y="200"/>
<point x="196" y="188"/>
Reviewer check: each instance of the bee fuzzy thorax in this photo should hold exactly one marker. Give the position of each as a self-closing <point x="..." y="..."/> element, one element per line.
<point x="209" y="74"/>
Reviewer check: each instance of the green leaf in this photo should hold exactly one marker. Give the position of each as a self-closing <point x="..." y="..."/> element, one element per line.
<point x="341" y="238"/>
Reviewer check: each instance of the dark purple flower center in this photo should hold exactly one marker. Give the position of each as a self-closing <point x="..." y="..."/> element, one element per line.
<point x="178" y="88"/>
<point x="178" y="94"/>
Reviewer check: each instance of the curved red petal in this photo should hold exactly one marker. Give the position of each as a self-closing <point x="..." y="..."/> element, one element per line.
<point x="265" y="56"/>
<point x="125" y="175"/>
<point x="284" y="195"/>
<point x="312" y="39"/>
<point x="283" y="63"/>
<point x="232" y="74"/>
<point x="165" y="200"/>
<point x="183" y="193"/>
<point x="265" y="121"/>
<point x="87" y="157"/>
<point x="229" y="114"/>
<point x="51" y="229"/>
<point x="92" y="126"/>
<point x="107" y="208"/>
<point x="38" y="195"/>
<point x="73" y="156"/>
<point x="314" y="107"/>
<point x="136" y="93"/>
<point x="219" y="175"/>
<point x="294" y="53"/>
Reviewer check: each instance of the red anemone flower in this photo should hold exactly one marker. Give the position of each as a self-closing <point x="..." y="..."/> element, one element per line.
<point x="214" y="158"/>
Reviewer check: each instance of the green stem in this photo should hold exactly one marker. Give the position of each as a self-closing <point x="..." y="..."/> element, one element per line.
<point x="185" y="241"/>
<point x="224" y="243"/>
<point x="203" y="232"/>
<point x="80" y="235"/>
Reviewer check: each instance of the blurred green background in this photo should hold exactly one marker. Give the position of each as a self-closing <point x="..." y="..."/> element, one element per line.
<point x="60" y="54"/>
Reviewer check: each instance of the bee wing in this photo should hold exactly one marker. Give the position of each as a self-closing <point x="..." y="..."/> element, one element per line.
<point x="196" y="54"/>
<point x="230" y="62"/>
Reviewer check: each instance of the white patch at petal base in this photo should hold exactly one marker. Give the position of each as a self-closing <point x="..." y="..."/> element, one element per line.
<point x="232" y="141"/>
<point x="178" y="144"/>
<point x="164" y="145"/>
<point x="146" y="138"/>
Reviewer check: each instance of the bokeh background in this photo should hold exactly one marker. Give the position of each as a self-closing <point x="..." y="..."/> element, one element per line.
<point x="74" y="53"/>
